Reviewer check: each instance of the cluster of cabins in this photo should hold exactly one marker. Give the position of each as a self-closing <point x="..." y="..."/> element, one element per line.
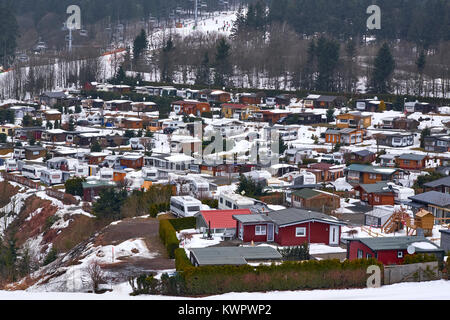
<point x="310" y="193"/>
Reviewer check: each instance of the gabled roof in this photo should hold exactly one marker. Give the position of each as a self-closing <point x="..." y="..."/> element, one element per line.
<point x="399" y="243"/>
<point x="294" y="215"/>
<point x="233" y="255"/>
<point x="379" y="187"/>
<point x="306" y="193"/>
<point x="287" y="217"/>
<point x="439" y="182"/>
<point x="412" y="156"/>
<point x="433" y="197"/>
<point x="222" y="219"/>
<point x="363" y="153"/>
<point x="371" y="169"/>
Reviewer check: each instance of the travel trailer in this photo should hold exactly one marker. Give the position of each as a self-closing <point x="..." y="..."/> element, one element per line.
<point x="106" y="174"/>
<point x="184" y="206"/>
<point x="11" y="165"/>
<point x="51" y="177"/>
<point x="150" y="174"/>
<point x="32" y="171"/>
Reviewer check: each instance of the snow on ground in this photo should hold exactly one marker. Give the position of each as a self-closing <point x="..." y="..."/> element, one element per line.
<point x="197" y="241"/>
<point x="76" y="277"/>
<point x="276" y="207"/>
<point x="429" y="290"/>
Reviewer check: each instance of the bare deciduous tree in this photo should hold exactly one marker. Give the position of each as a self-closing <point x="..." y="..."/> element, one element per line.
<point x="96" y="274"/>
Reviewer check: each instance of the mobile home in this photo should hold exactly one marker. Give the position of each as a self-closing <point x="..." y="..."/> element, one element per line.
<point x="51" y="177"/>
<point x="32" y="171"/>
<point x="184" y="206"/>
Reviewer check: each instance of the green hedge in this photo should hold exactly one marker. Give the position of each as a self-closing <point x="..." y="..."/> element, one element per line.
<point x="325" y="274"/>
<point x="168" y="236"/>
<point x="182" y="261"/>
<point x="183" y="223"/>
<point x="419" y="258"/>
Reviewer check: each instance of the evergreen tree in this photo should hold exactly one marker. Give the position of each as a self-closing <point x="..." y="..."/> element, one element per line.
<point x="330" y="115"/>
<point x="27" y="121"/>
<point x="74" y="186"/>
<point x="109" y="204"/>
<point x="203" y="74"/>
<point x="140" y="44"/>
<point x="166" y="62"/>
<point x="238" y="24"/>
<point x="223" y="68"/>
<point x="425" y="133"/>
<point x="8" y="34"/>
<point x="327" y="52"/>
<point x="420" y="63"/>
<point x="120" y="76"/>
<point x="384" y="66"/>
<point x="282" y="145"/>
<point x="71" y="126"/>
<point x="96" y="147"/>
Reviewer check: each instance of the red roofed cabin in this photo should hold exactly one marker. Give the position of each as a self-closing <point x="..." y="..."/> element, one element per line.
<point x="221" y="221"/>
<point x="188" y="107"/>
<point x="289" y="227"/>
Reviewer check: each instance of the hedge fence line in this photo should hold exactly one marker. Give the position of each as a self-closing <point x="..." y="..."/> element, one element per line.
<point x="290" y="275"/>
<point x="169" y="237"/>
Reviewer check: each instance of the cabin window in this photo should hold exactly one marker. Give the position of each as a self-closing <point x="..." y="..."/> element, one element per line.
<point x="360" y="254"/>
<point x="300" y="232"/>
<point x="221" y="200"/>
<point x="368" y="256"/>
<point x="260" y="230"/>
<point x="228" y="204"/>
<point x="372" y="176"/>
<point x="399" y="254"/>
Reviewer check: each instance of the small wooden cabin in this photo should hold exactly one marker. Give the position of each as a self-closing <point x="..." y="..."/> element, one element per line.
<point x="424" y="220"/>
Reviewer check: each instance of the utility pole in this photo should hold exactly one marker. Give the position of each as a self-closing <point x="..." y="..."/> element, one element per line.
<point x="196" y="13"/>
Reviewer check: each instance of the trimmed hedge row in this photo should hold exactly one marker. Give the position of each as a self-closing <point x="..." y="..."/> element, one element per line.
<point x="169" y="237"/>
<point x="306" y="275"/>
<point x="183" y="223"/>
<point x="182" y="261"/>
<point x="419" y="258"/>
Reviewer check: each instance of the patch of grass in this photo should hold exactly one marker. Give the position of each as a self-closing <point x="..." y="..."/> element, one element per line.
<point x="78" y="231"/>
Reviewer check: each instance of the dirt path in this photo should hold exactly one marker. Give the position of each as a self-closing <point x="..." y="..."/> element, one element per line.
<point x="148" y="229"/>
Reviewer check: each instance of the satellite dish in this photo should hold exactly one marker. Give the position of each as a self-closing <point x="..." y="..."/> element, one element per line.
<point x="411" y="249"/>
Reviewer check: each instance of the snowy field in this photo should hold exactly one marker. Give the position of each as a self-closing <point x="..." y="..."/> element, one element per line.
<point x="431" y="290"/>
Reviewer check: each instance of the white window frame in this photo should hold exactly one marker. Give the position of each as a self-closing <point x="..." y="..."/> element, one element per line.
<point x="399" y="254"/>
<point x="260" y="230"/>
<point x="359" y="254"/>
<point x="300" y="229"/>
